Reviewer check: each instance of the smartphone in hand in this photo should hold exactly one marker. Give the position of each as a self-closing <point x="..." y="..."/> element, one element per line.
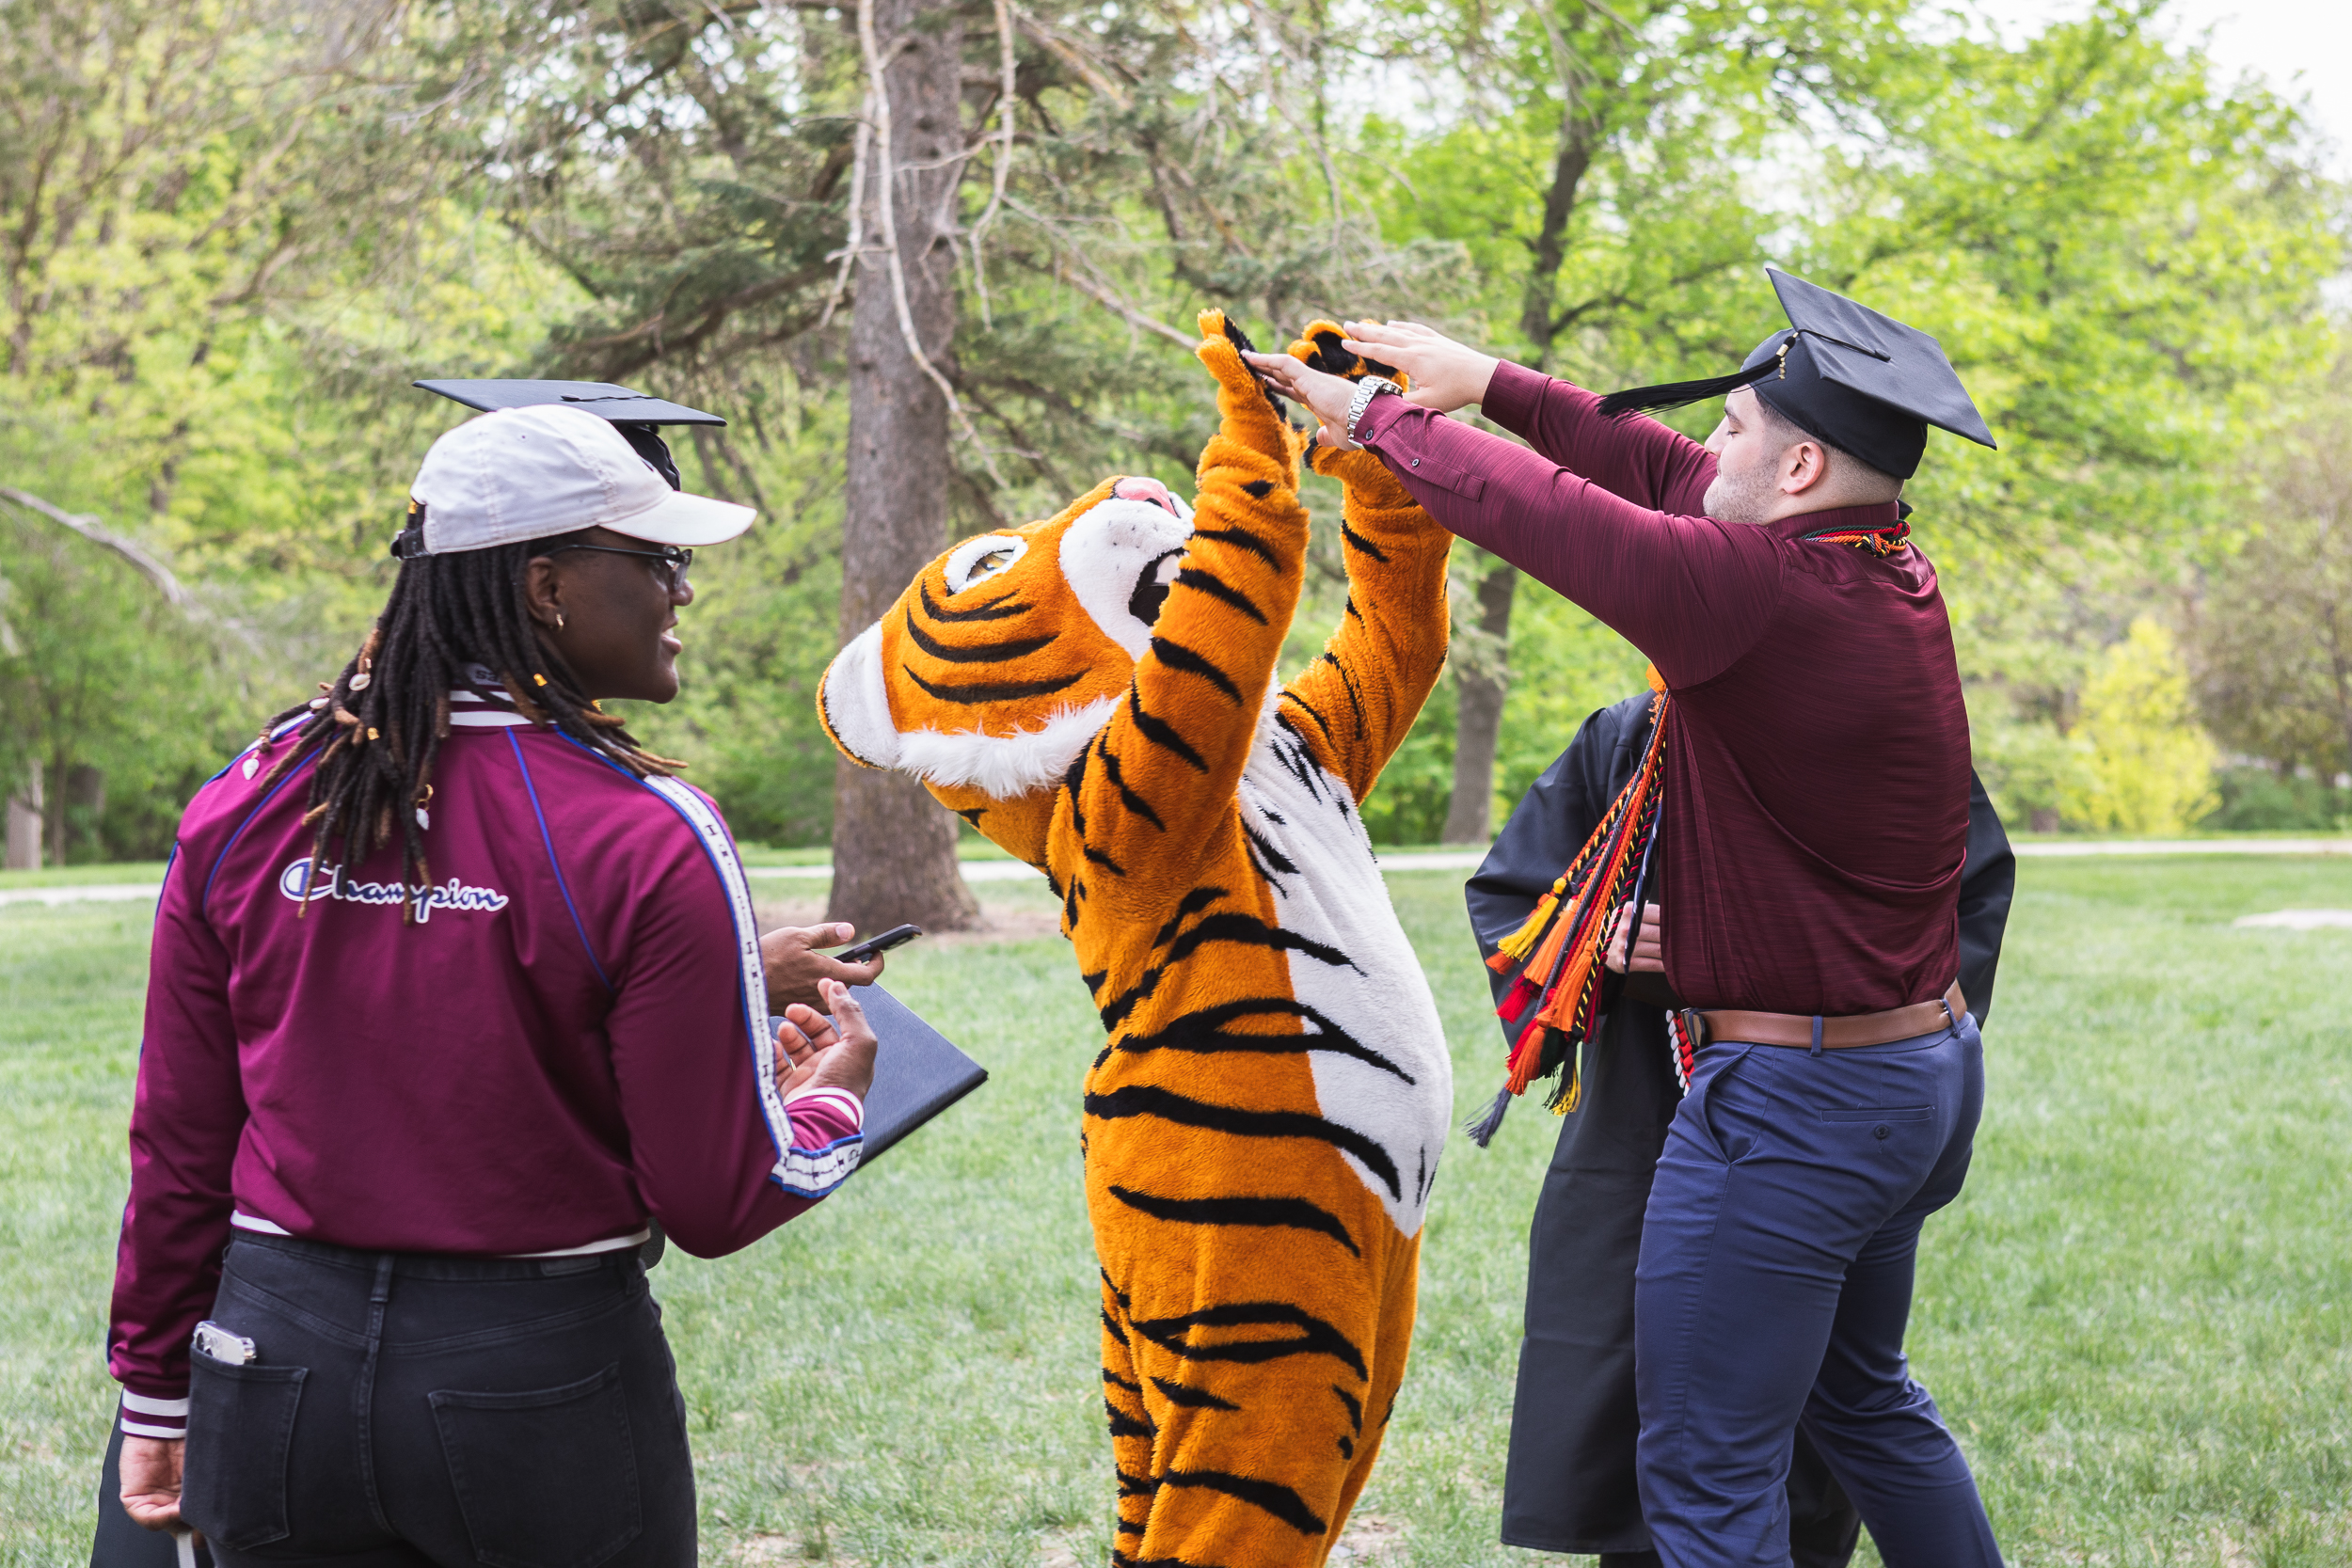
<point x="873" y="947"/>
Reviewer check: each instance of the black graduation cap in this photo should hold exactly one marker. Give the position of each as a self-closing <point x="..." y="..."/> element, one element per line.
<point x="638" y="416"/>
<point x="1842" y="372"/>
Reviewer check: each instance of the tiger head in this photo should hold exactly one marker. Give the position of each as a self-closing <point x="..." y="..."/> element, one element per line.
<point x="1005" y="655"/>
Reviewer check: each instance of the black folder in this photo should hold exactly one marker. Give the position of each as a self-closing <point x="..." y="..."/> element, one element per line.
<point x="918" y="1073"/>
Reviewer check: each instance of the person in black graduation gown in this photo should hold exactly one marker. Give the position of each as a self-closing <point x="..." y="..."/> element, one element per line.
<point x="1568" y="1485"/>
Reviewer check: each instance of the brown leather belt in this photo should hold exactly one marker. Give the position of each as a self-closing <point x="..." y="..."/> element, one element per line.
<point x="1836" y="1034"/>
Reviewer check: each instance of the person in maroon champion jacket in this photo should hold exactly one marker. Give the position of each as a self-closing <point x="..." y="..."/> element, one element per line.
<point x="1802" y="826"/>
<point x="455" y="996"/>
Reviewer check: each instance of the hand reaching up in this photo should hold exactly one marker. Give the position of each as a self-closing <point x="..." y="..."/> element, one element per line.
<point x="1446" y="375"/>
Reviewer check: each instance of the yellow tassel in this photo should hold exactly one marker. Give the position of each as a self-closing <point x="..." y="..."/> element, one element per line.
<point x="1574" y="1094"/>
<point x="1519" y="941"/>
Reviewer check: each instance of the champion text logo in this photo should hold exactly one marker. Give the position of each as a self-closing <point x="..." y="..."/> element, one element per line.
<point x="452" y="894"/>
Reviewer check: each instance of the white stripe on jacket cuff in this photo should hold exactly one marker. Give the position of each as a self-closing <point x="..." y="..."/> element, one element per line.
<point x="165" y="1419"/>
<point x="139" y="1404"/>
<point x="840" y="1099"/>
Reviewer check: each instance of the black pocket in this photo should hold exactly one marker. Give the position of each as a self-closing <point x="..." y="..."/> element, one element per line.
<point x="1883" y="1113"/>
<point x="546" y="1479"/>
<point x="240" y="1430"/>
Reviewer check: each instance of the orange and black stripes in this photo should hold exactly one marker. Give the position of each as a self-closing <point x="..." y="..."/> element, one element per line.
<point x="1254" y="1186"/>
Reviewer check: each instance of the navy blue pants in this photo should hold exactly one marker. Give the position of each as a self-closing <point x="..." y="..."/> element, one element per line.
<point x="1773" y="1292"/>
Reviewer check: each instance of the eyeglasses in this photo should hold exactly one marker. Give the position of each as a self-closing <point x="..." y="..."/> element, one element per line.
<point x="676" y="560"/>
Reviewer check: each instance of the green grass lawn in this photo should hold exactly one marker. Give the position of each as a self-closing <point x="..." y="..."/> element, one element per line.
<point x="2136" y="1316"/>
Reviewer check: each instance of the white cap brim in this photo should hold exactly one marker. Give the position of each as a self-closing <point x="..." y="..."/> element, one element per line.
<point x="680" y="518"/>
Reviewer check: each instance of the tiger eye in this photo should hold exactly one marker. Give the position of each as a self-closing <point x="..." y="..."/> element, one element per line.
<point x="1151" y="592"/>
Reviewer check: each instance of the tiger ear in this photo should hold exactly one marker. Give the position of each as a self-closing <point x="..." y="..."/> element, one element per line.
<point x="853" y="704"/>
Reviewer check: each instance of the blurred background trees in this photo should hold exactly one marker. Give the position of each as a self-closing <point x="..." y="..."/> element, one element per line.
<point x="230" y="234"/>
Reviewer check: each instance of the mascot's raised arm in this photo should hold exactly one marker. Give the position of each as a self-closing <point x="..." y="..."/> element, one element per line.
<point x="1096" y="693"/>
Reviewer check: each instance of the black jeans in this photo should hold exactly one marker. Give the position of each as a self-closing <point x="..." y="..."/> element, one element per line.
<point x="405" y="1410"/>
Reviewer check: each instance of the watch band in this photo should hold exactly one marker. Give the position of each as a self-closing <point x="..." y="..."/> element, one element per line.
<point x="1369" y="387"/>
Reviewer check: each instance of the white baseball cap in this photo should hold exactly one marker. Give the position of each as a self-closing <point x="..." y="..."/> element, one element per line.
<point x="530" y="473"/>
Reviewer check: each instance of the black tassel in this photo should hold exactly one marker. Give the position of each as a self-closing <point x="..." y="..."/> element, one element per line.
<point x="1481" y="1129"/>
<point x="1674" y="394"/>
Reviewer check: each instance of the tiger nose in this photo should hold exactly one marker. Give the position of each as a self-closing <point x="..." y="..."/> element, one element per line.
<point x="1145" y="490"/>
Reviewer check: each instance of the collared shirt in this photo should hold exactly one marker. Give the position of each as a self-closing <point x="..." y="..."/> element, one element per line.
<point x="1816" y="816"/>
<point x="572" y="1037"/>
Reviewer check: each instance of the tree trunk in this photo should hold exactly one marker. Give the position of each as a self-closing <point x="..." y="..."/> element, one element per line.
<point x="893" y="848"/>
<point x="82" y="806"/>
<point x="24" y="822"/>
<point x="2340" y="671"/>
<point x="1480" y="685"/>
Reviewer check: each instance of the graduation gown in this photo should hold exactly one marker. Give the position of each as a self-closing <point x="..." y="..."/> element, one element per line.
<point x="1569" y="1484"/>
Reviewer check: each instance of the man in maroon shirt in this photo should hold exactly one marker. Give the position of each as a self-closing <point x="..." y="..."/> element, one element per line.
<point x="1807" y="858"/>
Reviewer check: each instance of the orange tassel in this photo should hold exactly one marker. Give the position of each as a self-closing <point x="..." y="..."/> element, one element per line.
<point x="1556" y="952"/>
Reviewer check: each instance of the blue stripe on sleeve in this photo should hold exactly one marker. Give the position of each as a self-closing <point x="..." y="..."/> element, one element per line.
<point x="549" y="839"/>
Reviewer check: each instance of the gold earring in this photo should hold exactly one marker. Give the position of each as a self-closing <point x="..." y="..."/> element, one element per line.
<point x="559" y="619"/>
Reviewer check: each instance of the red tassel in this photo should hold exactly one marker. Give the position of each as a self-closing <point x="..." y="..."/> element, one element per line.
<point x="1559" y="981"/>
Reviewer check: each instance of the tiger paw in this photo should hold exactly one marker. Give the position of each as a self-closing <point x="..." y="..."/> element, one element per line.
<point x="1251" y="414"/>
<point x="1324" y="345"/>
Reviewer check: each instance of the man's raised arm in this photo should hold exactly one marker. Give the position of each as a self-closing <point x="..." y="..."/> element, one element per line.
<point x="1692" y="591"/>
<point x="1637" y="458"/>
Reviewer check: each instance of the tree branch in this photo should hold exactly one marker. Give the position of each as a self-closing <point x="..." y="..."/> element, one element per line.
<point x="98" y="533"/>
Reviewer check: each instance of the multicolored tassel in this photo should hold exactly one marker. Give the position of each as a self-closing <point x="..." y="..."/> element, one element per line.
<point x="1553" y="1004"/>
<point x="1878" y="541"/>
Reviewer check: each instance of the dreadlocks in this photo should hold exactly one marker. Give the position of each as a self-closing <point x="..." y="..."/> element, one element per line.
<point x="378" y="726"/>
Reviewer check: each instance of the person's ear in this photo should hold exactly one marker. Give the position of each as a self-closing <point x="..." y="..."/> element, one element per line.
<point x="1803" y="468"/>
<point x="543" y="597"/>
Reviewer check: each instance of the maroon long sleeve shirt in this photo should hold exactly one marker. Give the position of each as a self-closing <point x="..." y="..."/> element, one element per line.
<point x="572" y="1038"/>
<point x="1816" y="816"/>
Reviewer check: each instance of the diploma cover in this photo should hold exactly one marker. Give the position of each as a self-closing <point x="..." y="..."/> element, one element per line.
<point x="918" y="1073"/>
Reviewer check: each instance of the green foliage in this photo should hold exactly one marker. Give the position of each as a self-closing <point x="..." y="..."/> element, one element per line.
<point x="1564" y="665"/>
<point x="2274" y="638"/>
<point x="2029" y="768"/>
<point x="236" y="231"/>
<point x="2148" y="767"/>
<point x="116" y="696"/>
<point x="2259" y="800"/>
<point x="2122" y="255"/>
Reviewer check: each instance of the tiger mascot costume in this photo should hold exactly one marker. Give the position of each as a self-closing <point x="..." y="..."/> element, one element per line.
<point x="1095" y="692"/>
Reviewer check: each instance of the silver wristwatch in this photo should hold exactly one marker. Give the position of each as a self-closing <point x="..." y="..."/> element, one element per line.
<point x="1369" y="387"/>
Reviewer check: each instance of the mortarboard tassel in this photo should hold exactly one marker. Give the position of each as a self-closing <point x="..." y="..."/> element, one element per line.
<point x="1482" y="1128"/>
<point x="1554" y="957"/>
<point x="1674" y="394"/>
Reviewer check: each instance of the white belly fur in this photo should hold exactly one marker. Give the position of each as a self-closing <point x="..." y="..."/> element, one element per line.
<point x="1336" y="897"/>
